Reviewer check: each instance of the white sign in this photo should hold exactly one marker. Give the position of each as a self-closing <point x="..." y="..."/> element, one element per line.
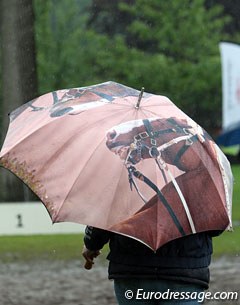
<point x="230" y="57"/>
<point x="31" y="218"/>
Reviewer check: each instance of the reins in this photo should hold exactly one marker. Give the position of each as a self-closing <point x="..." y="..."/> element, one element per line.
<point x="155" y="153"/>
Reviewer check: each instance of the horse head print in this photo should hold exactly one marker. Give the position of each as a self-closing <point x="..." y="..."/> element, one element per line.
<point x="169" y="138"/>
<point x="71" y="101"/>
<point x="174" y="141"/>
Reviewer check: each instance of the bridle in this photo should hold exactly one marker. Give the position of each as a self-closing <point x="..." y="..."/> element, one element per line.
<point x="155" y="152"/>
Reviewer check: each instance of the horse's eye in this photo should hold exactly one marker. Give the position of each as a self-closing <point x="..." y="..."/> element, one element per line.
<point x="112" y="134"/>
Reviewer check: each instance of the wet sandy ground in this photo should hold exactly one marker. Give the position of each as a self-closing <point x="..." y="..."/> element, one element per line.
<point x="67" y="283"/>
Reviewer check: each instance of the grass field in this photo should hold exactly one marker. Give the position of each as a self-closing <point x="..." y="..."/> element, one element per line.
<point x="52" y="247"/>
<point x="236" y="192"/>
<point x="228" y="243"/>
<point x="69" y="246"/>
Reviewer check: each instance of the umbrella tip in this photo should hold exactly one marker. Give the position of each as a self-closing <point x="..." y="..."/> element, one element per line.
<point x="139" y="98"/>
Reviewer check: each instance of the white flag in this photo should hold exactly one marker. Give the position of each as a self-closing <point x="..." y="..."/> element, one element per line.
<point x="230" y="57"/>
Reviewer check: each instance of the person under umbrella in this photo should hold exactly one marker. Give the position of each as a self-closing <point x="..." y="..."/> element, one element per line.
<point x="180" y="268"/>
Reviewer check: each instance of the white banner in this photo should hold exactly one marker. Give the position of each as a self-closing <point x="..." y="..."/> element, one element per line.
<point x="230" y="57"/>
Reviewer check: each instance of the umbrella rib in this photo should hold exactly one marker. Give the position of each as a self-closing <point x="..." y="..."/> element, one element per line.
<point x="41" y="150"/>
<point x="123" y="167"/>
<point x="114" y="195"/>
<point x="99" y="143"/>
<point x="95" y="149"/>
<point x="30" y="134"/>
<point x="66" y="143"/>
<point x="163" y="200"/>
<point x="26" y="136"/>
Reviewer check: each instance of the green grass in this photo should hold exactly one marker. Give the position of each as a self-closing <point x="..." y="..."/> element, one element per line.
<point x="232" y="150"/>
<point x="236" y="192"/>
<point x="69" y="246"/>
<point x="41" y="247"/>
<point x="228" y="242"/>
<point x="60" y="247"/>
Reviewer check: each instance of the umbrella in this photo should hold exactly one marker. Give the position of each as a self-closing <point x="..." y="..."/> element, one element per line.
<point x="119" y="159"/>
<point x="230" y="136"/>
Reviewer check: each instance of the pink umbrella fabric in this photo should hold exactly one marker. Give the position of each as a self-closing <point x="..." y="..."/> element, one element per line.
<point x="117" y="159"/>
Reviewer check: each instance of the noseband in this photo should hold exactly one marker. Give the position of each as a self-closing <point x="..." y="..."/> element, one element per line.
<point x="155" y="153"/>
<point x="153" y="150"/>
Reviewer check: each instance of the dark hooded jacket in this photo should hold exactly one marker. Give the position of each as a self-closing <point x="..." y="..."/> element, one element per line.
<point x="185" y="259"/>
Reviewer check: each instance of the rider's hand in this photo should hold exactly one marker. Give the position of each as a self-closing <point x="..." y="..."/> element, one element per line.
<point x="89" y="256"/>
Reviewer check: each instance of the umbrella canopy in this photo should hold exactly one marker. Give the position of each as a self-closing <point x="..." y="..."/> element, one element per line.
<point x="230" y="136"/>
<point x="122" y="160"/>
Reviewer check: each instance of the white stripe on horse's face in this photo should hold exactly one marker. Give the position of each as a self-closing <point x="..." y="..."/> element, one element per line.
<point x="120" y="137"/>
<point x="126" y="127"/>
<point x="69" y="107"/>
<point x="133" y="141"/>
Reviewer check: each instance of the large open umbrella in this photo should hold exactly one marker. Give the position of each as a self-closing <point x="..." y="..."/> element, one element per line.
<point x="112" y="157"/>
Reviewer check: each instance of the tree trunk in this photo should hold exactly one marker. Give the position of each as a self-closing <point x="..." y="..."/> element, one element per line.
<point x="19" y="77"/>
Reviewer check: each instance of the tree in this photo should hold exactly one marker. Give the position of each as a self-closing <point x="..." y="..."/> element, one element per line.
<point x="179" y="40"/>
<point x="60" y="40"/>
<point x="169" y="47"/>
<point x="232" y="9"/>
<point x="106" y="17"/>
<point x="19" y="79"/>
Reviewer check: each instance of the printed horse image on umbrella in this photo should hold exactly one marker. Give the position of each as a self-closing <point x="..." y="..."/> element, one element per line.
<point x="119" y="159"/>
<point x="178" y="204"/>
